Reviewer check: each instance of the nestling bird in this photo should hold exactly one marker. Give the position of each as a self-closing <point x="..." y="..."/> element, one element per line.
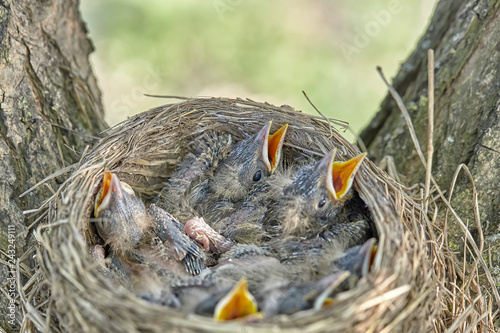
<point x="200" y="294"/>
<point x="134" y="232"/>
<point x="122" y="220"/>
<point x="218" y="173"/>
<point x="239" y="283"/>
<point x="278" y="288"/>
<point x="208" y="150"/>
<point x="248" y="162"/>
<point x="313" y="204"/>
<point x="343" y="274"/>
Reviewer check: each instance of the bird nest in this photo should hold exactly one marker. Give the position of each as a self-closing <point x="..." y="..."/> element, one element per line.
<point x="412" y="282"/>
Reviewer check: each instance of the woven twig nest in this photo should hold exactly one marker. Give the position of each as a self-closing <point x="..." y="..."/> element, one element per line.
<point x="404" y="291"/>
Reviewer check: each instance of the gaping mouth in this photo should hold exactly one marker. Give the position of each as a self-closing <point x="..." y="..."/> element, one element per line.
<point x="343" y="176"/>
<point x="238" y="303"/>
<point x="275" y="143"/>
<point x="272" y="144"/>
<point x="110" y="184"/>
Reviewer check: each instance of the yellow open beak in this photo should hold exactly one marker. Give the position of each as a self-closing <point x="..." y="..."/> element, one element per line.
<point x="342" y="176"/>
<point x="105" y="190"/>
<point x="238" y="303"/>
<point x="275" y="143"/>
<point x="110" y="184"/>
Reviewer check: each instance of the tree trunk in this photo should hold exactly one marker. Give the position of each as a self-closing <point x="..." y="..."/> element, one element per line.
<point x="465" y="36"/>
<point x="50" y="109"/>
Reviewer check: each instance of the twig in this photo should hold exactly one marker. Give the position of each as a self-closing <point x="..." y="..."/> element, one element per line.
<point x="387" y="296"/>
<point x="49" y="177"/>
<point x="322" y="115"/>
<point x="167" y="96"/>
<point x="405" y="113"/>
<point x="92" y="137"/>
<point x="474" y="200"/>
<point x="460" y="319"/>
<point x="359" y="141"/>
<point x="430" y="146"/>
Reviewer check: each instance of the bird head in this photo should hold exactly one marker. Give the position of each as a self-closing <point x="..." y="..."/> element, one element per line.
<point x="121" y="215"/>
<point x="250" y="161"/>
<point x="316" y="194"/>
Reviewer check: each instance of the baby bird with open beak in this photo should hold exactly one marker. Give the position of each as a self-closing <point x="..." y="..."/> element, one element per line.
<point x="122" y="219"/>
<point x="265" y="287"/>
<point x="248" y="162"/>
<point x="303" y="209"/>
<point x="219" y="174"/>
<point x="320" y="201"/>
<point x="135" y="233"/>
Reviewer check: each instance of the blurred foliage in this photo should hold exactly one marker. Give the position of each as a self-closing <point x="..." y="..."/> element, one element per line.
<point x="264" y="50"/>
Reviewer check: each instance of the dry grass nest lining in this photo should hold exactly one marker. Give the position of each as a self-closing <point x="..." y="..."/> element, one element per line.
<point x="407" y="289"/>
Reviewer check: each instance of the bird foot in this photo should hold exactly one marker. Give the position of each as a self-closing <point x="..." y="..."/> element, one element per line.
<point x="211" y="240"/>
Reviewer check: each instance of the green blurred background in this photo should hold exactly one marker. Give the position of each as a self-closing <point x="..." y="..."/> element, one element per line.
<point x="264" y="50"/>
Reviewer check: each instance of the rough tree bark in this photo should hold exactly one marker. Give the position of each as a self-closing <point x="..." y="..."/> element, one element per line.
<point x="465" y="36"/>
<point x="50" y="109"/>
